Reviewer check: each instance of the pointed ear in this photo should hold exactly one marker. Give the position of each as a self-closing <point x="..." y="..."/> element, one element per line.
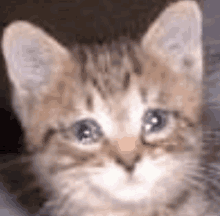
<point x="31" y="55"/>
<point x="176" y="38"/>
<point x="33" y="60"/>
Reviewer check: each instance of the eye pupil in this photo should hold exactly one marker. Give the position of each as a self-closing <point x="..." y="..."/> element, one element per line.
<point x="87" y="131"/>
<point x="154" y="120"/>
<point x="84" y="132"/>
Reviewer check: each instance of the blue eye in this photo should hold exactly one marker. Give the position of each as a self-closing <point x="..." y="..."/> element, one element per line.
<point x="154" y="120"/>
<point x="87" y="131"/>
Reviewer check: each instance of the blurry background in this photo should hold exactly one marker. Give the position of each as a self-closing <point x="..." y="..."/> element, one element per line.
<point x="211" y="38"/>
<point x="100" y="21"/>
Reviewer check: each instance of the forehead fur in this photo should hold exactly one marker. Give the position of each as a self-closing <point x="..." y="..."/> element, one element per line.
<point x="113" y="79"/>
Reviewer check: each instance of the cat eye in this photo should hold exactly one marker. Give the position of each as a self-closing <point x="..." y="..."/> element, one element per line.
<point x="154" y="120"/>
<point x="87" y="131"/>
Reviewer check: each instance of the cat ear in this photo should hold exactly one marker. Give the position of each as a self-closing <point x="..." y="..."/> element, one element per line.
<point x="33" y="60"/>
<point x="32" y="56"/>
<point x="176" y="38"/>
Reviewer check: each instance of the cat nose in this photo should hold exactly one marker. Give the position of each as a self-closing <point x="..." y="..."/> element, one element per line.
<point x="127" y="152"/>
<point x="128" y="164"/>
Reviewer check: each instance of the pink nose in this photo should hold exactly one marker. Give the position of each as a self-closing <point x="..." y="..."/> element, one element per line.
<point x="126" y="144"/>
<point x="127" y="154"/>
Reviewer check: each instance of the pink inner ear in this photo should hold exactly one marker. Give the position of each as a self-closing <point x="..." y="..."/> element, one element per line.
<point x="32" y="55"/>
<point x="30" y="67"/>
<point x="177" y="27"/>
<point x="182" y="32"/>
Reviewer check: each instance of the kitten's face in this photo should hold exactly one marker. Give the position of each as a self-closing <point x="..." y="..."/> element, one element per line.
<point x="118" y="132"/>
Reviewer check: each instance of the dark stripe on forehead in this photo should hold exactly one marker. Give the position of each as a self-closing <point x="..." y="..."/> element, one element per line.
<point x="98" y="87"/>
<point x="136" y="64"/>
<point x="126" y="80"/>
<point x="80" y="56"/>
<point x="83" y="74"/>
<point x="143" y="93"/>
<point x="83" y="59"/>
<point x="89" y="102"/>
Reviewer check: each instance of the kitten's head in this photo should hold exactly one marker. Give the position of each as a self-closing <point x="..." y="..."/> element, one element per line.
<point x="113" y="125"/>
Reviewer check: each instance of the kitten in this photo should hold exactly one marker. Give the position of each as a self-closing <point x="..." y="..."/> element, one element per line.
<point x="115" y="130"/>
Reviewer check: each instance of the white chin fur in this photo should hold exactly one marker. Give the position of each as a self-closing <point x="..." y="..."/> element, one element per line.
<point x="116" y="183"/>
